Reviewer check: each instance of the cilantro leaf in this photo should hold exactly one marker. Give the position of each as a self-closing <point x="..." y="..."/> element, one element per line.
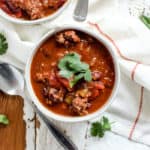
<point x="66" y="74"/>
<point x="3" y="119"/>
<point x="100" y="127"/>
<point x="65" y="61"/>
<point x="87" y="75"/>
<point x="76" y="79"/>
<point x="78" y="66"/>
<point x="3" y="44"/>
<point x="97" y="129"/>
<point x="145" y="20"/>
<point x="71" y="66"/>
<point x="106" y="124"/>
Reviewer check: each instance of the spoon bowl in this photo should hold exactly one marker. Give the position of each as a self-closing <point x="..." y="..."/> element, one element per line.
<point x="11" y="80"/>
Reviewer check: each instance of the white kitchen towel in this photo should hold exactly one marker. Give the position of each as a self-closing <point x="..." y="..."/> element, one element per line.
<point x="129" y="36"/>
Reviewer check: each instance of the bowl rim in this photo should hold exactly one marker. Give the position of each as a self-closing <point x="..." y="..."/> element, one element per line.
<point x="6" y="16"/>
<point x="49" y="114"/>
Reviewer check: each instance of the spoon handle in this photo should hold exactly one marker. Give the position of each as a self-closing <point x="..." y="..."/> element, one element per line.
<point x="81" y="10"/>
<point x="59" y="135"/>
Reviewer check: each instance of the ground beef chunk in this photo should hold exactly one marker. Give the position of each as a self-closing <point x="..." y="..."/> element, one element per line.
<point x="53" y="3"/>
<point x="12" y="7"/>
<point x="34" y="8"/>
<point x="54" y="95"/>
<point x="41" y="77"/>
<point x="48" y="78"/>
<point x="67" y="38"/>
<point x="80" y="106"/>
<point x="78" y="101"/>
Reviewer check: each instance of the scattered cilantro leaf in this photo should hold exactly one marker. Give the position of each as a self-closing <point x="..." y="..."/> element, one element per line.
<point x="100" y="127"/>
<point x="3" y="44"/>
<point x="145" y="20"/>
<point x="71" y="67"/>
<point x="106" y="124"/>
<point x="3" y="119"/>
<point x="97" y="130"/>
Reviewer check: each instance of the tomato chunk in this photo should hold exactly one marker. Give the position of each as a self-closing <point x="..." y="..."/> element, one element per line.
<point x="63" y="81"/>
<point x="53" y="80"/>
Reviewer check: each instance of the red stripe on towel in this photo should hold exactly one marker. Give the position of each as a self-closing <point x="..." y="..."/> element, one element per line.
<point x="138" y="115"/>
<point x="112" y="41"/>
<point x="133" y="71"/>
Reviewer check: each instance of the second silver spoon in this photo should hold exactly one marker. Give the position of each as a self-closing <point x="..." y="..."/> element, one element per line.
<point x="81" y="10"/>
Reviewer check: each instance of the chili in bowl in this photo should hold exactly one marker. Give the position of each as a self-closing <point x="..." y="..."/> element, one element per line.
<point x="31" y="11"/>
<point x="73" y="74"/>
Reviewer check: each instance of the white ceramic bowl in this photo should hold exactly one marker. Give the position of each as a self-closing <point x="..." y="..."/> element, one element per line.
<point x="51" y="114"/>
<point x="37" y="21"/>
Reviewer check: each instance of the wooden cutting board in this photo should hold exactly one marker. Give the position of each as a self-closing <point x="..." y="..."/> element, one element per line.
<point x="12" y="136"/>
<point x="25" y="132"/>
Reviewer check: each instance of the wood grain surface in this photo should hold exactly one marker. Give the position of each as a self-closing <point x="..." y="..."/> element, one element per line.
<point x="27" y="131"/>
<point x="12" y="136"/>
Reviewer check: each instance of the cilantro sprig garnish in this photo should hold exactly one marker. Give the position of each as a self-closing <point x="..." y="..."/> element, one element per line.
<point x="145" y="20"/>
<point x="73" y="69"/>
<point x="100" y="127"/>
<point x="3" y="44"/>
<point x="3" y="119"/>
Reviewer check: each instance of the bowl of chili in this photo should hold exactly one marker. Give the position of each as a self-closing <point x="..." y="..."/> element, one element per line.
<point x="30" y="12"/>
<point x="72" y="75"/>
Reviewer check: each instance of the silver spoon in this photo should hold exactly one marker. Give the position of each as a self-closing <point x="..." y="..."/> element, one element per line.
<point x="81" y="10"/>
<point x="12" y="82"/>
